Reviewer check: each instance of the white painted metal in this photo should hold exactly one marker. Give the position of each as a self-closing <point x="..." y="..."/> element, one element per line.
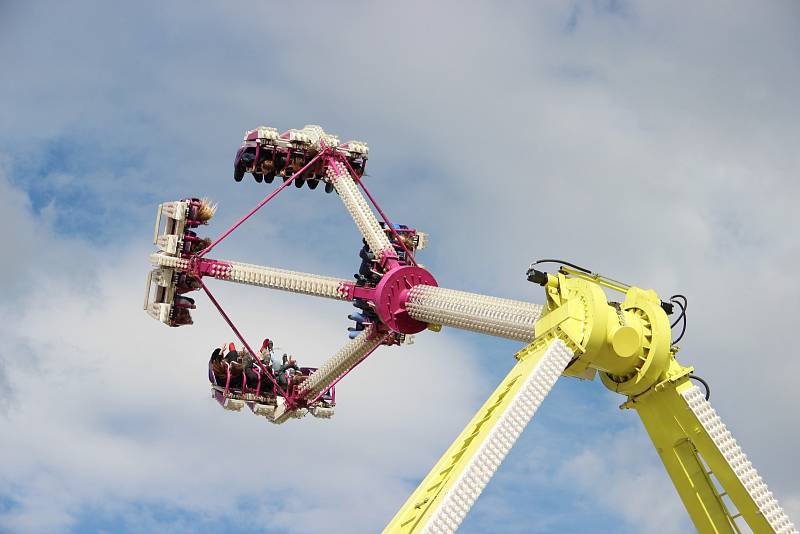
<point x="357" y="207"/>
<point x="455" y="505"/>
<point x="340" y="362"/>
<point x="513" y="319"/>
<point x="738" y="462"/>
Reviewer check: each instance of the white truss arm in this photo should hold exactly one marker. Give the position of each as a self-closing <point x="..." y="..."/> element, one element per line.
<point x="737" y="461"/>
<point x="293" y="281"/>
<point x="359" y="210"/>
<point x="339" y="363"/>
<point x="446" y="495"/>
<point x="513" y="319"/>
<point x="269" y="277"/>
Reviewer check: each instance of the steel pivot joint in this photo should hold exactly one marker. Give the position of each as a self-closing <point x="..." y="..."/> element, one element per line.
<point x="628" y="343"/>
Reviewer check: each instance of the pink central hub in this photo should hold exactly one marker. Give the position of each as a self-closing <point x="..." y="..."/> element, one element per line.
<point x="391" y="295"/>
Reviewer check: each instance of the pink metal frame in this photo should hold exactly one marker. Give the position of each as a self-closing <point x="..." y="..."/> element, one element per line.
<point x="257" y="358"/>
<point x="203" y="267"/>
<point x="258" y="207"/>
<point x="380" y="211"/>
<point x="213" y="267"/>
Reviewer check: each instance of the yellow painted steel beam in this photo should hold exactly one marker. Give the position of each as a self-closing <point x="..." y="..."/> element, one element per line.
<point x="660" y="413"/>
<point x="444" y="497"/>
<point x="697" y="448"/>
<point x="629" y="345"/>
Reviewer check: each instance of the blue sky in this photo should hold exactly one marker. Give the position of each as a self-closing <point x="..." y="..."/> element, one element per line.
<point x="655" y="143"/>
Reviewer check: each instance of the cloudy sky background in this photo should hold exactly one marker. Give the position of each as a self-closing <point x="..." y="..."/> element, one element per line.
<point x="655" y="144"/>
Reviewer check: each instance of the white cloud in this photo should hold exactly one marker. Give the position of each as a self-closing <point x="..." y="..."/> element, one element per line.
<point x="656" y="147"/>
<point x="111" y="407"/>
<point x="617" y="473"/>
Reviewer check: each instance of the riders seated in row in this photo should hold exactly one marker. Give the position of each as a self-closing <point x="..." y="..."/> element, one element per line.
<point x="242" y="366"/>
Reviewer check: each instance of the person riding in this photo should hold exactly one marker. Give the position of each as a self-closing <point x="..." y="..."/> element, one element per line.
<point x="282" y="371"/>
<point x="199" y="245"/>
<point x="266" y="351"/>
<point x="256" y="372"/>
<point x="365" y="273"/>
<point x="182" y="316"/>
<point x="232" y="354"/>
<point x="266" y="358"/>
<point x="291" y="363"/>
<point x="276" y="361"/>
<point x="250" y="373"/>
<point x="217" y="372"/>
<point x="235" y="364"/>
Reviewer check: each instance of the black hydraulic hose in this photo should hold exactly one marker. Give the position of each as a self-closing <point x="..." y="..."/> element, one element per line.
<point x="682" y="316"/>
<point x="705" y="384"/>
<point x="562" y="262"/>
<point x="676" y="299"/>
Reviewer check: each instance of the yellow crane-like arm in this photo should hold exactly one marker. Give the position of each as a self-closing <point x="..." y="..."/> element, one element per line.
<point x="628" y="345"/>
<point x="445" y="496"/>
<point x="696" y="448"/>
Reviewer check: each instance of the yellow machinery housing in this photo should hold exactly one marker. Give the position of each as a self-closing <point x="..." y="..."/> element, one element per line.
<point x="580" y="334"/>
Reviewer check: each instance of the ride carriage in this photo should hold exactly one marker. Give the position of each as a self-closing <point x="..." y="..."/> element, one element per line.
<point x="265" y="154"/>
<point x="234" y="393"/>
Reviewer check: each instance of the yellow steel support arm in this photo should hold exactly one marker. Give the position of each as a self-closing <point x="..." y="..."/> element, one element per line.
<point x="719" y="487"/>
<point x="445" y="496"/>
<point x="629" y="345"/>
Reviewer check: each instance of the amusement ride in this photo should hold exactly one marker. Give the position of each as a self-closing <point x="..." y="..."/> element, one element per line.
<point x="578" y="332"/>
